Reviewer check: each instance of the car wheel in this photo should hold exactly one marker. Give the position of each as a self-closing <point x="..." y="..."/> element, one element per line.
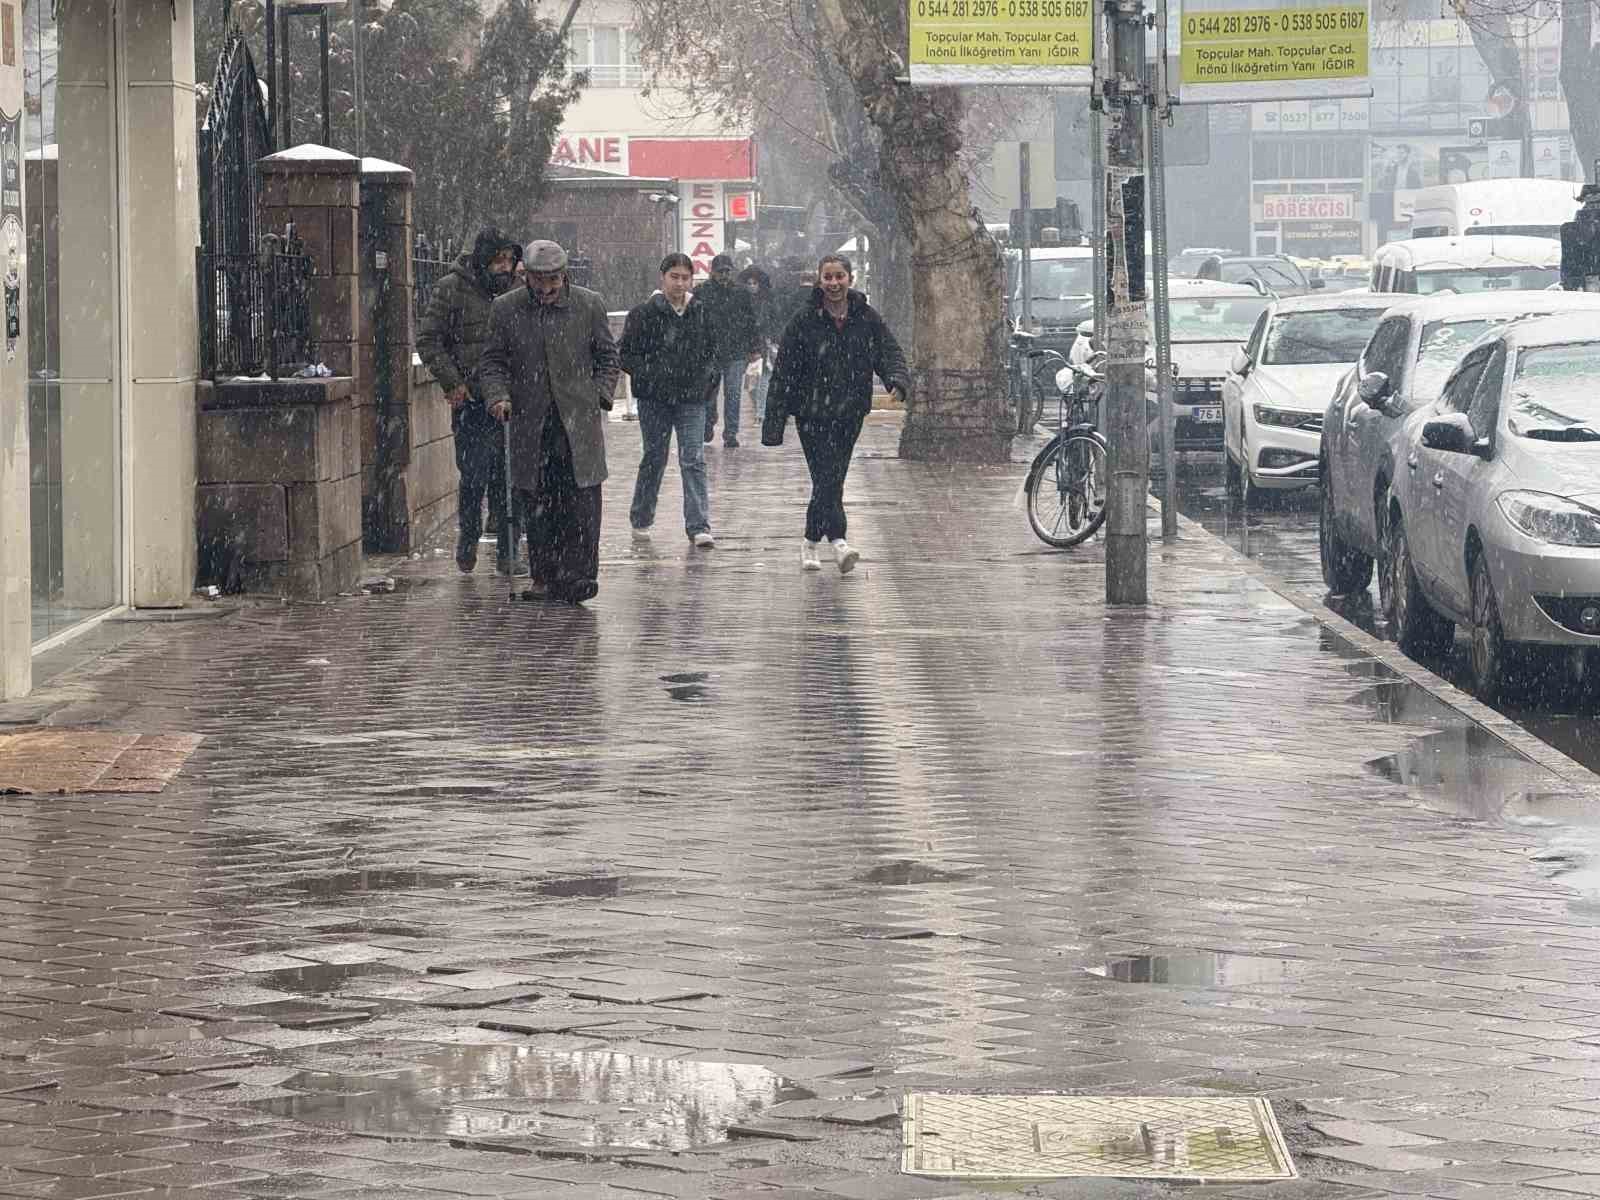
<point x="1345" y="569"/>
<point x="1385" y="567"/>
<point x="1418" y="628"/>
<point x="1492" y="658"/>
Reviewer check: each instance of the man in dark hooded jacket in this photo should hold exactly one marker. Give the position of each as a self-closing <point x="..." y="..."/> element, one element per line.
<point x="453" y="333"/>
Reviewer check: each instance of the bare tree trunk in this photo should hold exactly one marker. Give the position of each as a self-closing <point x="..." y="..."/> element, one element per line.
<point x="1489" y="24"/>
<point x="957" y="408"/>
<point x="1580" y="81"/>
<point x="894" y="275"/>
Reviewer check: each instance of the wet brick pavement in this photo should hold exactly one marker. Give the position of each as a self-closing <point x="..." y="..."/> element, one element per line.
<point x="456" y="896"/>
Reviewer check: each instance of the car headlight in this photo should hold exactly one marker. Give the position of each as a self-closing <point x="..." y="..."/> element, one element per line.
<point x="1287" y="417"/>
<point x="1553" y="519"/>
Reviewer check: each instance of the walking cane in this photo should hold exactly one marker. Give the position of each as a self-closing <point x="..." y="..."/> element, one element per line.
<point x="511" y="507"/>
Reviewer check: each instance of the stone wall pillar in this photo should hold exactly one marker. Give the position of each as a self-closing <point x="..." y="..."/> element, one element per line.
<point x="16" y="657"/>
<point x="385" y="344"/>
<point x="318" y="190"/>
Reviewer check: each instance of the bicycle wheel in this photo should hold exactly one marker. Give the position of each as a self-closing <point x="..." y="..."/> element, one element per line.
<point x="1066" y="490"/>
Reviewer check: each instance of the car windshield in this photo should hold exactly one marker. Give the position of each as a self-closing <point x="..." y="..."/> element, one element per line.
<point x="1333" y="335"/>
<point x="1279" y="276"/>
<point x="1443" y="344"/>
<point x="1553" y="397"/>
<point x="1497" y="279"/>
<point x="1059" y="278"/>
<point x="1220" y="320"/>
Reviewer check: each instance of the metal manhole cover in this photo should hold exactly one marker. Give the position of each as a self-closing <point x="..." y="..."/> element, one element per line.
<point x="1127" y="1137"/>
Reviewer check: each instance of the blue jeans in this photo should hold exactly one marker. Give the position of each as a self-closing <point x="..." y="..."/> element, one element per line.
<point x="657" y="423"/>
<point x="763" y="382"/>
<point x="732" y="387"/>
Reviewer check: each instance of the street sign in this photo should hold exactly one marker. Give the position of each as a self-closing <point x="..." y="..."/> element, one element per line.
<point x="1001" y="42"/>
<point x="1285" y="53"/>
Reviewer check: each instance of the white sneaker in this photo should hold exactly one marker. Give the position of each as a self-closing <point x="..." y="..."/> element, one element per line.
<point x="704" y="540"/>
<point x="808" y="556"/>
<point x="845" y="555"/>
<point x="641" y="535"/>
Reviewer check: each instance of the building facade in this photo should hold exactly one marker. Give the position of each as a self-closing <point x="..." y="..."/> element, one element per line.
<point x="98" y="225"/>
<point x="616" y="127"/>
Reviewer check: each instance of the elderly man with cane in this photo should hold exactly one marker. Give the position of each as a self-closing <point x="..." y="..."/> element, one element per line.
<point x="549" y="369"/>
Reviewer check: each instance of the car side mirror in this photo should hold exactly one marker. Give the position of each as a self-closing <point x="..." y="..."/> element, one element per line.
<point x="1241" y="363"/>
<point x="1453" y="433"/>
<point x="1374" y="388"/>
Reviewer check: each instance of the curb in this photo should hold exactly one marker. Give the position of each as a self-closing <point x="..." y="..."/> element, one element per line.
<point x="1571" y="772"/>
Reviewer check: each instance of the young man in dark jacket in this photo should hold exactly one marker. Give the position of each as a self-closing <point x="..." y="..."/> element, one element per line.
<point x="670" y="352"/>
<point x="449" y="341"/>
<point x="733" y="322"/>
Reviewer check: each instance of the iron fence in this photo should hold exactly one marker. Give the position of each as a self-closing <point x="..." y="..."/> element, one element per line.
<point x="429" y="263"/>
<point x="255" y="310"/>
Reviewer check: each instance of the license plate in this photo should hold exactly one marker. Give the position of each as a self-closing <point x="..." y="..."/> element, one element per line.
<point x="1209" y="415"/>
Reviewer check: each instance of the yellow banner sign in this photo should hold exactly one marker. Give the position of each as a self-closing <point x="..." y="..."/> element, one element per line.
<point x="1000" y="41"/>
<point x="1274" y="53"/>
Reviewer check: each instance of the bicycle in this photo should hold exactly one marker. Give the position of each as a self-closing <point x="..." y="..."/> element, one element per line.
<point x="1066" y="485"/>
<point x="1031" y="371"/>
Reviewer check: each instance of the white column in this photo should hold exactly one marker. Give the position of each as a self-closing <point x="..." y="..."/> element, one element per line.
<point x="162" y="229"/>
<point x="16" y="665"/>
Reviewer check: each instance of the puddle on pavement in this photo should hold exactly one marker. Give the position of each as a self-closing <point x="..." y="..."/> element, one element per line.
<point x="689" y="686"/>
<point x="906" y="871"/>
<point x="529" y="1095"/>
<point x="1200" y="968"/>
<point x="376" y="879"/>
<point x="320" y="979"/>
<point x="1466" y="772"/>
<point x="1401" y="702"/>
<point x="599" y="886"/>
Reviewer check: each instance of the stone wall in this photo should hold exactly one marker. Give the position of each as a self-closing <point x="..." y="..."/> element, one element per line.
<point x="278" y="505"/>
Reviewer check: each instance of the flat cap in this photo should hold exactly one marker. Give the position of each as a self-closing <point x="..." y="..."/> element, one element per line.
<point x="721" y="261"/>
<point x="544" y="256"/>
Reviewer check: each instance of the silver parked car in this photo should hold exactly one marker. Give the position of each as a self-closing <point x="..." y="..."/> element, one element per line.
<point x="1412" y="351"/>
<point x="1495" y="519"/>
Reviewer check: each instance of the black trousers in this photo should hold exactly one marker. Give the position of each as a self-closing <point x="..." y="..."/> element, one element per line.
<point x="828" y="442"/>
<point x="563" y="518"/>
<point x="480" y="462"/>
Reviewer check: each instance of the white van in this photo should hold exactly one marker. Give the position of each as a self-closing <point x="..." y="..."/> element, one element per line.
<point x="1530" y="207"/>
<point x="1422" y="266"/>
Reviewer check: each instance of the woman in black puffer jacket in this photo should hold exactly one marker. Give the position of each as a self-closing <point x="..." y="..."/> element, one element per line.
<point x="830" y="351"/>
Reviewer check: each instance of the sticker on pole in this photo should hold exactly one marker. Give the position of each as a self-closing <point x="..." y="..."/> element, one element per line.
<point x="1316" y="52"/>
<point x="1001" y="41"/>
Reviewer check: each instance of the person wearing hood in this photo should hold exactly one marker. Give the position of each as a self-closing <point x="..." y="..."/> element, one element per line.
<point x="823" y="378"/>
<point x="450" y="341"/>
<point x="669" y="350"/>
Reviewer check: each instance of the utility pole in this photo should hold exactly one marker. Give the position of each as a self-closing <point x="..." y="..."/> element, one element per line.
<point x="1122" y="93"/>
<point x="358" y="90"/>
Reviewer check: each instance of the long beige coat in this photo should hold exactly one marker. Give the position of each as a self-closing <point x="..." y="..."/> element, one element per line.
<point x="565" y="351"/>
